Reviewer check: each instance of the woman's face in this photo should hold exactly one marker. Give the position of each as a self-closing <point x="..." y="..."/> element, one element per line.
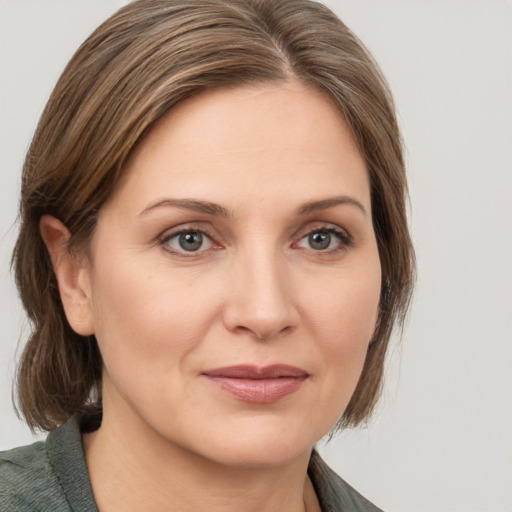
<point x="234" y="276"/>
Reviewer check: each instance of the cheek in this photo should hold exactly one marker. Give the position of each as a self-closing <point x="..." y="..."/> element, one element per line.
<point x="141" y="316"/>
<point x="342" y="319"/>
<point x="344" y="310"/>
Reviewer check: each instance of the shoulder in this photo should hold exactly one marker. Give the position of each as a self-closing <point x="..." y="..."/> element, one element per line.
<point x="27" y="479"/>
<point x="50" y="475"/>
<point x="334" y="494"/>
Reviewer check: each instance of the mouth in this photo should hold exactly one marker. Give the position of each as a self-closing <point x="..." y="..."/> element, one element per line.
<point x="259" y="385"/>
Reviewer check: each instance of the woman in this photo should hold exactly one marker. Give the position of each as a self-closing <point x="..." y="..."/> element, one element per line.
<point x="213" y="254"/>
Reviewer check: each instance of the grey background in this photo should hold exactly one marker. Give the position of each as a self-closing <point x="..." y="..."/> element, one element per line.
<point x="441" y="440"/>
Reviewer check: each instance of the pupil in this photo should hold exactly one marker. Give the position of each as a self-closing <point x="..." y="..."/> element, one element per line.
<point x="191" y="241"/>
<point x="320" y="240"/>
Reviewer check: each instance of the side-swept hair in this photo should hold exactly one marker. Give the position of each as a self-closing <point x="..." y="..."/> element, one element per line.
<point x="140" y="63"/>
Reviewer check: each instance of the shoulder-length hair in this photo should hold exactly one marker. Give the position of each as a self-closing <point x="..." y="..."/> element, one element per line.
<point x="140" y="63"/>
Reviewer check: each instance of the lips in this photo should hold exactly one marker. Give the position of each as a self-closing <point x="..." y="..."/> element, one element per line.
<point x="261" y="385"/>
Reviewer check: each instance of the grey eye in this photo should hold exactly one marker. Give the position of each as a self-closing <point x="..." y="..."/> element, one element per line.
<point x="319" y="240"/>
<point x="187" y="241"/>
<point x="324" y="239"/>
<point x="190" y="241"/>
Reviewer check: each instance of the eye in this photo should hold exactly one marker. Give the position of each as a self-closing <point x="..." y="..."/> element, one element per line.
<point x="188" y="241"/>
<point x="324" y="239"/>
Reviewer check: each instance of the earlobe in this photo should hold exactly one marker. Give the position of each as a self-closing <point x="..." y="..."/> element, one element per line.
<point x="71" y="273"/>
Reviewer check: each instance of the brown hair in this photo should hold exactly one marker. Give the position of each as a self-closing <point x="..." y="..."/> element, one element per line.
<point x="141" y="62"/>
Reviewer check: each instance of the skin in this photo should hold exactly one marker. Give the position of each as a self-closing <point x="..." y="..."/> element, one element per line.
<point x="256" y="292"/>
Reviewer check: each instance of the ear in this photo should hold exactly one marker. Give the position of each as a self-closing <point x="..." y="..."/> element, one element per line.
<point x="73" y="276"/>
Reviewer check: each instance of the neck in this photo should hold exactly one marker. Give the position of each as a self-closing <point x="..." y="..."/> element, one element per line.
<point x="133" y="468"/>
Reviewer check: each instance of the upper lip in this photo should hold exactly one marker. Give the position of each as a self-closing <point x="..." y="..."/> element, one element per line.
<point x="244" y="371"/>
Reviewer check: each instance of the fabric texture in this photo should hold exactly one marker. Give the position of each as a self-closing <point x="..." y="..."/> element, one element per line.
<point x="51" y="476"/>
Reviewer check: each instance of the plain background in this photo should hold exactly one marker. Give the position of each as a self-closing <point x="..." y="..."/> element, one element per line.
<point x="441" y="440"/>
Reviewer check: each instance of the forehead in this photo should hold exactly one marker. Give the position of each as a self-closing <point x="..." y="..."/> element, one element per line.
<point x="251" y="142"/>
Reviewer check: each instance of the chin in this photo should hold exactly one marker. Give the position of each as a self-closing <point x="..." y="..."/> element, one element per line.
<point x="258" y="456"/>
<point x="262" y="445"/>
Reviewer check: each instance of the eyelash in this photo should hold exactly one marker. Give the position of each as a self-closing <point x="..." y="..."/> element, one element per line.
<point x="164" y="241"/>
<point x="345" y="240"/>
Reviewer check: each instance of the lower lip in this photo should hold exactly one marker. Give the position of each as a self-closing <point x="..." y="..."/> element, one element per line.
<point x="258" y="391"/>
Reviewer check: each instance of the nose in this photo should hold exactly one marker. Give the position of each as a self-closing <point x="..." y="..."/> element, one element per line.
<point x="260" y="298"/>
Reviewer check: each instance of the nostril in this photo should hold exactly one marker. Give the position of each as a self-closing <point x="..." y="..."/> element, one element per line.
<point x="263" y="334"/>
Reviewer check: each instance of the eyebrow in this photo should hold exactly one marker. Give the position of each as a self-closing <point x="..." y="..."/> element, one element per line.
<point x="330" y="202"/>
<point x="218" y="210"/>
<point x="189" y="204"/>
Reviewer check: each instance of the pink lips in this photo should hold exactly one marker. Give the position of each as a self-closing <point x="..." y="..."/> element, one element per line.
<point x="261" y="385"/>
